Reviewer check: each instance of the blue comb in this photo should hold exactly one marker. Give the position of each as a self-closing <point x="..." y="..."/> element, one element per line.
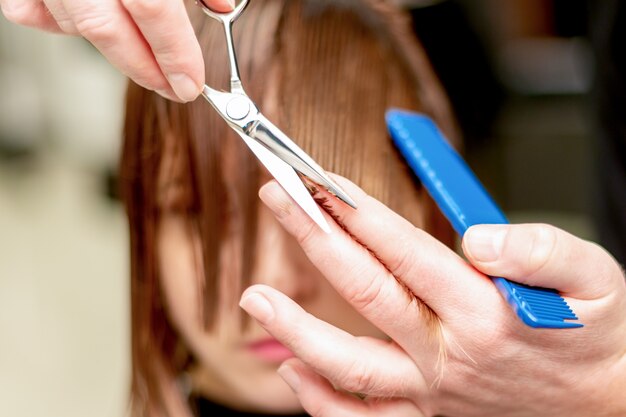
<point x="463" y="200"/>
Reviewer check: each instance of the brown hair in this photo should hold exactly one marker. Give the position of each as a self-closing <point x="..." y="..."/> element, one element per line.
<point x="324" y="72"/>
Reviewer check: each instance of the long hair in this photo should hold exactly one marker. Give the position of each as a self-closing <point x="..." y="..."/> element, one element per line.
<point x="324" y="72"/>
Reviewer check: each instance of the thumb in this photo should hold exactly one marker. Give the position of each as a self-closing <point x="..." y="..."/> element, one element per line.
<point x="544" y="256"/>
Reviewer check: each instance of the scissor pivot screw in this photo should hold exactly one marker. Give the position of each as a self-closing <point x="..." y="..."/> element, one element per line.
<point x="238" y="108"/>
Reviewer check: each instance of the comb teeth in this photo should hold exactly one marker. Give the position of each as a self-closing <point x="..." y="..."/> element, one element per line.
<point x="537" y="307"/>
<point x="544" y="302"/>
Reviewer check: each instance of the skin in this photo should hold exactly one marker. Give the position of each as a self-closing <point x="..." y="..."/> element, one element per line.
<point x="228" y="373"/>
<point x="493" y="365"/>
<point x="150" y="41"/>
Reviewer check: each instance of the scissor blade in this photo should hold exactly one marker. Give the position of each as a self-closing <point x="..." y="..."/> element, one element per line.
<point x="289" y="180"/>
<point x="280" y="144"/>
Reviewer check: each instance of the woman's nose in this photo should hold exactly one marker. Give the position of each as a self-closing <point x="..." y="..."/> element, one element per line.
<point x="282" y="264"/>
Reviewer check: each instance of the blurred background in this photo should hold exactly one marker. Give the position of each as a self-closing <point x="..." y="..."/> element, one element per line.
<point x="63" y="245"/>
<point x="521" y="77"/>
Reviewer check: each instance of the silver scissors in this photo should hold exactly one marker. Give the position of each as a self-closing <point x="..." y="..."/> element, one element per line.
<point x="279" y="154"/>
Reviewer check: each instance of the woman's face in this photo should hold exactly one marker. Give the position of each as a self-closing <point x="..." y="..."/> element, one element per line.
<point x="238" y="367"/>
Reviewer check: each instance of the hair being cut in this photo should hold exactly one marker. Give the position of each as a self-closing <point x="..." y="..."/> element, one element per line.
<point x="324" y="72"/>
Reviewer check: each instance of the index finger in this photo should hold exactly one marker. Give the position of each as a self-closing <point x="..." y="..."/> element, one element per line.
<point x="430" y="270"/>
<point x="357" y="275"/>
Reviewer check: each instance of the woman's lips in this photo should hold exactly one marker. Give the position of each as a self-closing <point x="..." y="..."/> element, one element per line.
<point x="270" y="350"/>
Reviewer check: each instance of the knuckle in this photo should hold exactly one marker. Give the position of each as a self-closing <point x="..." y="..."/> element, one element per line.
<point x="67" y="25"/>
<point x="17" y="11"/>
<point x="305" y="234"/>
<point x="96" y="26"/>
<point x="366" y="296"/>
<point x="144" y="9"/>
<point x="543" y="244"/>
<point x="403" y="262"/>
<point x="359" y="379"/>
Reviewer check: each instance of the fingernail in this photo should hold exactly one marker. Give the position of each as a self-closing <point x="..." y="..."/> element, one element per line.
<point x="484" y="243"/>
<point x="258" y="307"/>
<point x="231" y="3"/>
<point x="276" y="199"/>
<point x="184" y="87"/>
<point x="290" y="376"/>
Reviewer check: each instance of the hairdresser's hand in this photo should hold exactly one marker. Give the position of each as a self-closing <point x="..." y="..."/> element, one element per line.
<point x="456" y="347"/>
<point x="150" y="41"/>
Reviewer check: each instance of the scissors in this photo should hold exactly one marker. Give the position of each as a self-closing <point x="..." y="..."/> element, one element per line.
<point x="279" y="154"/>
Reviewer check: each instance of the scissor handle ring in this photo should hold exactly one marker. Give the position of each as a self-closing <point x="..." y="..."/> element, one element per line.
<point x="227" y="17"/>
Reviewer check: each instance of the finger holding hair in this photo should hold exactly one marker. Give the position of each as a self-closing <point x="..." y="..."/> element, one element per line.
<point x="355" y="364"/>
<point x="320" y="399"/>
<point x="359" y="276"/>
<point x="429" y="270"/>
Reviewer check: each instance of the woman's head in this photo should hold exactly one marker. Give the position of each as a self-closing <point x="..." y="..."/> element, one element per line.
<point x="324" y="72"/>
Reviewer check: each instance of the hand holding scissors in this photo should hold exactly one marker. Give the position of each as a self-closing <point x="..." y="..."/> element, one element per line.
<point x="150" y="41"/>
